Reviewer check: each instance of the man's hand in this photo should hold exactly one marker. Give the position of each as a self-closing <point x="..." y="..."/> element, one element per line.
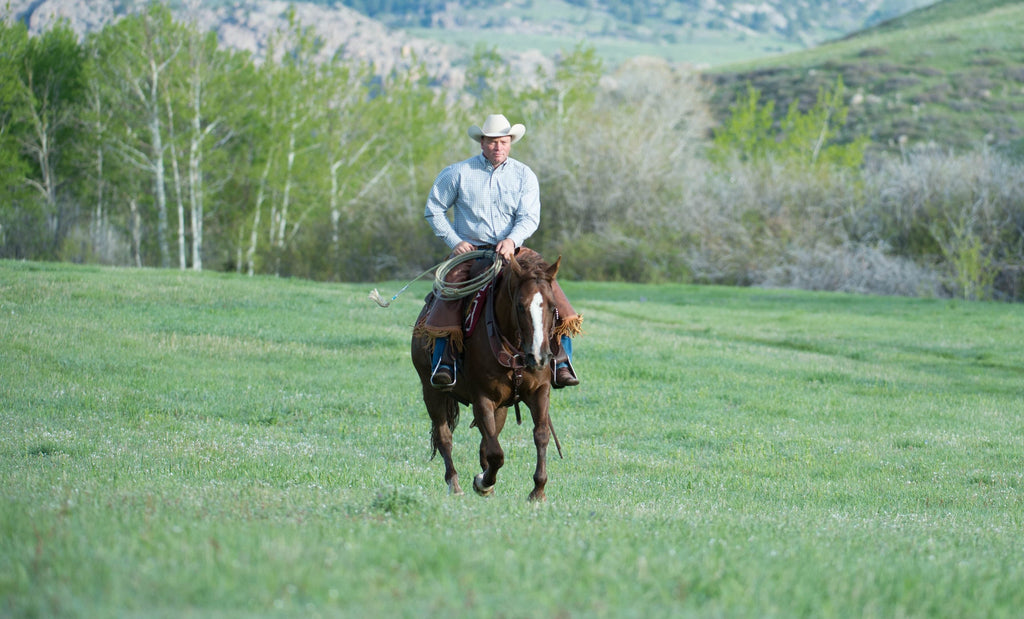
<point x="505" y="248"/>
<point x="462" y="248"/>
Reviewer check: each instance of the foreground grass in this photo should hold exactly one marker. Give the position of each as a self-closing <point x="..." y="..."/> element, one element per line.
<point x="181" y="444"/>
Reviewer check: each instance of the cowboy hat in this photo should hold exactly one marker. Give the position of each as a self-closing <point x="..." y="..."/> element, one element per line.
<point x="497" y="126"/>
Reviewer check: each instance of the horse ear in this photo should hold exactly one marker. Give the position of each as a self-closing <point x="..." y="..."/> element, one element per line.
<point x="553" y="269"/>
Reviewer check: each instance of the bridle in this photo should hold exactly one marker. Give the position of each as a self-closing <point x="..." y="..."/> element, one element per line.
<point x="507" y="354"/>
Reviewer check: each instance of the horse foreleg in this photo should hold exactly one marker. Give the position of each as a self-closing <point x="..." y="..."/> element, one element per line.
<point x="490" y="422"/>
<point x="541" y="437"/>
<point x="444" y="446"/>
<point x="443" y="417"/>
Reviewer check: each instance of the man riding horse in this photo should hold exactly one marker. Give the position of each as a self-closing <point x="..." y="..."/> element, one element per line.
<point x="495" y="204"/>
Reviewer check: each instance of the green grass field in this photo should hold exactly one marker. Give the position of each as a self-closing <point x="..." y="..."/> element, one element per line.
<point x="179" y="444"/>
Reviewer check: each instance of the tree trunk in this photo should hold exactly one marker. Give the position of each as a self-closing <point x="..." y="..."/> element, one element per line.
<point x="182" y="255"/>
<point x="250" y="255"/>
<point x="157" y="166"/>
<point x="136" y="228"/>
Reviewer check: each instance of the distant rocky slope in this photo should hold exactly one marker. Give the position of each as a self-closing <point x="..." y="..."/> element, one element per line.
<point x="249" y="25"/>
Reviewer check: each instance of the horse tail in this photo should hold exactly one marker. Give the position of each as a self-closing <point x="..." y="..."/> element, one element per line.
<point x="451" y="414"/>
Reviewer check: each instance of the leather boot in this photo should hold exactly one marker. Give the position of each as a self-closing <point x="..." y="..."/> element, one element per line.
<point x="565" y="375"/>
<point x="442" y="375"/>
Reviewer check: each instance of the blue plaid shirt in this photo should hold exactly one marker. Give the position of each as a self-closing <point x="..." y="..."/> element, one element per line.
<point x="489" y="204"/>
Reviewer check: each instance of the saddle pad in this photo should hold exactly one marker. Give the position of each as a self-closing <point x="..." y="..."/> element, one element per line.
<point x="475" y="309"/>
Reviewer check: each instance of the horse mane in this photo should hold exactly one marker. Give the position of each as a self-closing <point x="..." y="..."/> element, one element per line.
<point x="533" y="266"/>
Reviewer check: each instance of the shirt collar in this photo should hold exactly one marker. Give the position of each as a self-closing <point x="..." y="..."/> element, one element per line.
<point x="489" y="166"/>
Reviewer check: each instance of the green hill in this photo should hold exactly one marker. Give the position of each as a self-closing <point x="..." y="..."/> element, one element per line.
<point x="951" y="74"/>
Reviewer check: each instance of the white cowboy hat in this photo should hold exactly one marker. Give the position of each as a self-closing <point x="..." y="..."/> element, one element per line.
<point x="497" y="126"/>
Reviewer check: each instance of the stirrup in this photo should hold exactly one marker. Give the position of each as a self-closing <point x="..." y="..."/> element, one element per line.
<point x="433" y="373"/>
<point x="572" y="375"/>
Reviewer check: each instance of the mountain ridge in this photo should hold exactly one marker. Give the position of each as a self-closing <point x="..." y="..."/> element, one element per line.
<point x="957" y="88"/>
<point x="528" y="33"/>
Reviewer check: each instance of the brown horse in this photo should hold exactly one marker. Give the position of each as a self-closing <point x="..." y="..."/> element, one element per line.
<point x="506" y="360"/>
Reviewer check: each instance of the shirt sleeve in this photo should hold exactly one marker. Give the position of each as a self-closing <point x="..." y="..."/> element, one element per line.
<point x="442" y="197"/>
<point x="528" y="214"/>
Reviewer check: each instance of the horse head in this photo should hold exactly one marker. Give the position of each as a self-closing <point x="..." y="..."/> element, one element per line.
<point x="533" y="308"/>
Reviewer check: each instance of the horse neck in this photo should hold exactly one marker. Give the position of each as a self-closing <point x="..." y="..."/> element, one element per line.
<point x="504" y="307"/>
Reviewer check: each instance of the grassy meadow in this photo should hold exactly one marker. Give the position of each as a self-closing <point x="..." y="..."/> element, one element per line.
<point x="180" y="444"/>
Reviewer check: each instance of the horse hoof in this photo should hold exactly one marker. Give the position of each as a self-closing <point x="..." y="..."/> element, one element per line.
<point x="478" y="486"/>
<point x="454" y="489"/>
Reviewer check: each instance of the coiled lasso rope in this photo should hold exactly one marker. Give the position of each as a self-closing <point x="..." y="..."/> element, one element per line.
<point x="452" y="290"/>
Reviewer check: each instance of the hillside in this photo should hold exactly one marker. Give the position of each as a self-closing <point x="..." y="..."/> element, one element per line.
<point x="249" y="25"/>
<point x="950" y="74"/>
<point x="443" y="34"/>
<point x="708" y="32"/>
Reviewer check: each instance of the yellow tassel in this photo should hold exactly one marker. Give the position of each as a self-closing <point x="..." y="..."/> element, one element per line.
<point x="379" y="300"/>
<point x="454" y="335"/>
<point x="571" y="326"/>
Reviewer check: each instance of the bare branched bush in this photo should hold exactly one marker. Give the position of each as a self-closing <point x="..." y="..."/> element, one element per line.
<point x="853" y="268"/>
<point x="931" y="223"/>
<point x="623" y="162"/>
<point x="962" y="211"/>
<point x="748" y="217"/>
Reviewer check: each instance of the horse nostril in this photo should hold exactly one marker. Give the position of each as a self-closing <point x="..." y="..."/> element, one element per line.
<point x="535" y="361"/>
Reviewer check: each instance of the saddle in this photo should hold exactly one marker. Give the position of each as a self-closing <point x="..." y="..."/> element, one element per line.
<point x="474" y="308"/>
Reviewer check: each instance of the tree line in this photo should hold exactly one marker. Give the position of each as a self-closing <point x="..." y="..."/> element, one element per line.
<point x="147" y="145"/>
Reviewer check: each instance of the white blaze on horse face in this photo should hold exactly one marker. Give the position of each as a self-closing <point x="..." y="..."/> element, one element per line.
<point x="537" y="317"/>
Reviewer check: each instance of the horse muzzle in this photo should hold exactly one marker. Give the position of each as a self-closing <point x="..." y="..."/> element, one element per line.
<point x="534" y="361"/>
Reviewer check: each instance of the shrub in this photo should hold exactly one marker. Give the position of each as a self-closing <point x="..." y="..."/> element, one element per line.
<point x="852" y="267"/>
<point x="748" y="217"/>
<point x="964" y="212"/>
<point x="929" y="223"/>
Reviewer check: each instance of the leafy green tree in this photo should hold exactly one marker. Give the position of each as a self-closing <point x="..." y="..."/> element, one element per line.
<point x="289" y="104"/>
<point x="749" y="133"/>
<point x="136" y="57"/>
<point x="358" y="157"/>
<point x="420" y="133"/>
<point x="489" y="80"/>
<point x="801" y="138"/>
<point x="17" y="212"/>
<point x="811" y="136"/>
<point x="54" y="77"/>
<point x="96" y="188"/>
<point x="42" y="83"/>
<point x="573" y="86"/>
<point x="203" y="86"/>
